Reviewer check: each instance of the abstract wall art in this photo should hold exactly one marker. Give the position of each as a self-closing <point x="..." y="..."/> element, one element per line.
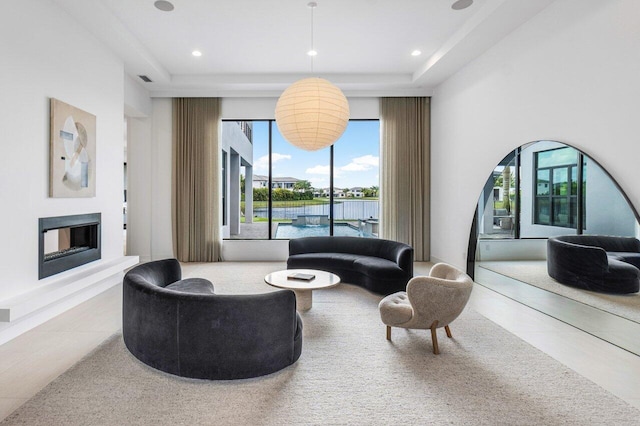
<point x="72" y="171"/>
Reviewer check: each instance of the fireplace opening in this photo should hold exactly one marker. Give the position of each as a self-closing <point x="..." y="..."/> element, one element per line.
<point x="67" y="242"/>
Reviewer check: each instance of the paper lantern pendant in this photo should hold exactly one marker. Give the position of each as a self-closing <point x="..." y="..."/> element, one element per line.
<point x="312" y="113"/>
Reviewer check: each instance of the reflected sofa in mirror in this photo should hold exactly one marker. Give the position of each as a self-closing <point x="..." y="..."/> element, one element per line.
<point x="540" y="190"/>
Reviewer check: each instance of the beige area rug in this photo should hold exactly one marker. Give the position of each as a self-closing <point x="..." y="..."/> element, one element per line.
<point x="534" y="272"/>
<point x="348" y="374"/>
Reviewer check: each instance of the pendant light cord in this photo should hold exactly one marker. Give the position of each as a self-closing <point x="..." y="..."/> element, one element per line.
<point x="312" y="52"/>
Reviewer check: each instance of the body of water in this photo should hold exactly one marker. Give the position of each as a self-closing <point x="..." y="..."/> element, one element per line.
<point x="342" y="210"/>
<point x="288" y="231"/>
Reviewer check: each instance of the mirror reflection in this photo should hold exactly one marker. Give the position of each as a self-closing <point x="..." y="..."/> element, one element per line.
<point x="549" y="189"/>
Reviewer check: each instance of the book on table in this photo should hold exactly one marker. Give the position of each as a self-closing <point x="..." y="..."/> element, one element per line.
<point x="301" y="276"/>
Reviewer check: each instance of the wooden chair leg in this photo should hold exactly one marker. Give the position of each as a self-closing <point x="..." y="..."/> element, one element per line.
<point x="446" y="328"/>
<point x="434" y="337"/>
<point x="388" y="332"/>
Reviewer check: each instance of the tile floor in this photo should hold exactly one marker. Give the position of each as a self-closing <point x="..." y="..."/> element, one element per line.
<point x="32" y="360"/>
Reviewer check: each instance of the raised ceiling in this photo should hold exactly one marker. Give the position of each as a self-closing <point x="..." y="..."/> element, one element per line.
<point x="258" y="47"/>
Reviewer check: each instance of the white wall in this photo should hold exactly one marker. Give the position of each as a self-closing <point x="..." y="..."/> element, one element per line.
<point x="45" y="54"/>
<point x="149" y="227"/>
<point x="255" y="250"/>
<point x="139" y="187"/>
<point x="524" y="249"/>
<point x="161" y="141"/>
<point x="608" y="212"/>
<point x="569" y="74"/>
<point x="137" y="102"/>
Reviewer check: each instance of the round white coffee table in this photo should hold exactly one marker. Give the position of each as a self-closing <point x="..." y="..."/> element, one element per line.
<point x="303" y="289"/>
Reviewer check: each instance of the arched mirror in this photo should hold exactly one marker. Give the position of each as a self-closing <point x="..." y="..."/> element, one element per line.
<point x="549" y="189"/>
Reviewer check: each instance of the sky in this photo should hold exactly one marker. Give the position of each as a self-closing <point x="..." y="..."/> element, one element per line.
<point x="356" y="156"/>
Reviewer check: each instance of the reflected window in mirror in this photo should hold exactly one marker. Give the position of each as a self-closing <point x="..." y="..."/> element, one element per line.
<point x="547" y="188"/>
<point x="557" y="187"/>
<point x="498" y="203"/>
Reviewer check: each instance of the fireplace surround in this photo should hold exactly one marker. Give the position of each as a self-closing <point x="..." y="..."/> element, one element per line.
<point x="66" y="242"/>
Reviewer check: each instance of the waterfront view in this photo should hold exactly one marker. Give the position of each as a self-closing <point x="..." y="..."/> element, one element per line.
<point x="342" y="210"/>
<point x="268" y="182"/>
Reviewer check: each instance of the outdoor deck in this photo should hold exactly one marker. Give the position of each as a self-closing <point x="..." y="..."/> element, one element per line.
<point x="254" y="231"/>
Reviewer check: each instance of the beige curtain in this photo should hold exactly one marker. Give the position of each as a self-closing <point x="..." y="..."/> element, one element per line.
<point x="404" y="181"/>
<point x="196" y="179"/>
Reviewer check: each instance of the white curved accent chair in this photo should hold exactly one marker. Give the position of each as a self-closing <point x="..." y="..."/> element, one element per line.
<point x="430" y="302"/>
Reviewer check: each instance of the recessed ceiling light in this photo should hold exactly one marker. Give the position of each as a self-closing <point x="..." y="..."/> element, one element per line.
<point x="461" y="4"/>
<point x="312" y="53"/>
<point x="163" y="5"/>
<point x="416" y="53"/>
<point x="196" y="53"/>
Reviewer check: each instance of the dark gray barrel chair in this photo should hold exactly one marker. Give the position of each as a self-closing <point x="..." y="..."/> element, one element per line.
<point x="205" y="335"/>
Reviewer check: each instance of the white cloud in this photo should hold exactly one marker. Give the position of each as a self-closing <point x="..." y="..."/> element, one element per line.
<point x="318" y="170"/>
<point x="275" y="157"/>
<point x="323" y="170"/>
<point x="354" y="167"/>
<point x="262" y="163"/>
<point x="368" y="159"/>
<point x="360" y="164"/>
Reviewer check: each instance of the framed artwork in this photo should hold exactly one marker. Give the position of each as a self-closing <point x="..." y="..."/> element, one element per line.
<point x="72" y="170"/>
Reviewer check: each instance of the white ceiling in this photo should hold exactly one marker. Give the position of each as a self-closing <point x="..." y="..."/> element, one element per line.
<point x="258" y="47"/>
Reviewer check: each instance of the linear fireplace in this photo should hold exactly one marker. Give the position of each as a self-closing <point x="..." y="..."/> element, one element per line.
<point x="67" y="242"/>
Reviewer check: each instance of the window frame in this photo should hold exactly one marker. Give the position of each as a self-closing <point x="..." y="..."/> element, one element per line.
<point x="575" y="217"/>
<point x="270" y="183"/>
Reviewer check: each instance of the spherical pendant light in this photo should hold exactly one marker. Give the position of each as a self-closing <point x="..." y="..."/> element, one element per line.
<point x="312" y="113"/>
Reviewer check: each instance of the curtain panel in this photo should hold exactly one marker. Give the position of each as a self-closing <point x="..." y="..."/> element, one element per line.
<point x="196" y="184"/>
<point x="405" y="172"/>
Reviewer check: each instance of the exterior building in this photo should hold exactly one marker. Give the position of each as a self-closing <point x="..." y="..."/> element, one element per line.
<point x="237" y="152"/>
<point x="323" y="193"/>
<point x="261" y="181"/>
<point x="356" y="192"/>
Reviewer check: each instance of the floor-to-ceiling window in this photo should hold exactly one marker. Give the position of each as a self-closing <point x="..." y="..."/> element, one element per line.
<point x="297" y="178"/>
<point x="286" y="192"/>
<point x="357" y="179"/>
